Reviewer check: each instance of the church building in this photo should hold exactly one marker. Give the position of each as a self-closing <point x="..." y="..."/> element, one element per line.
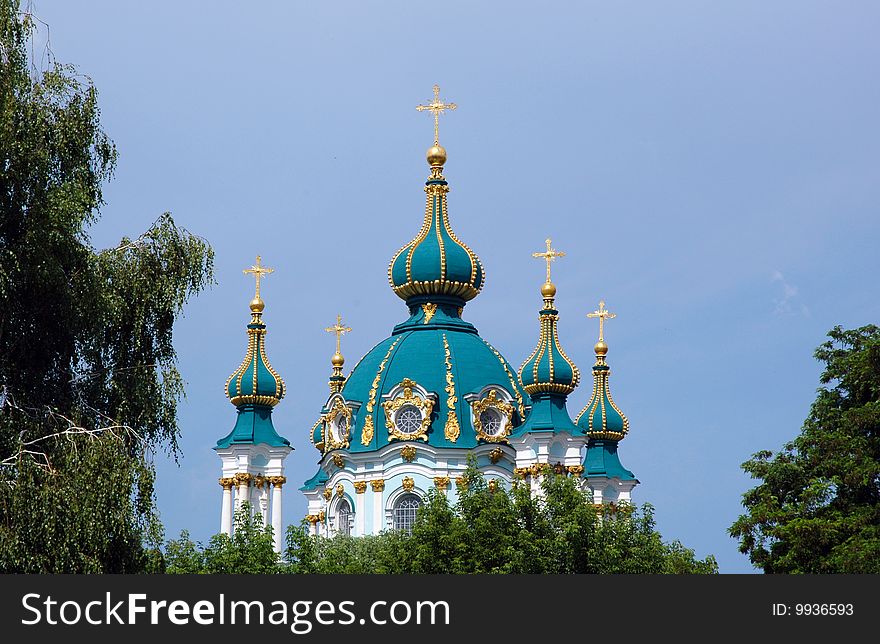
<point x="413" y="410"/>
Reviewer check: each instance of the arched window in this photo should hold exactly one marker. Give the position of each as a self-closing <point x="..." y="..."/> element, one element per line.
<point x="343" y="518"/>
<point x="405" y="512"/>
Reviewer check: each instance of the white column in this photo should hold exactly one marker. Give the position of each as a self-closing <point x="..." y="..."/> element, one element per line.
<point x="226" y="508"/>
<point x="277" y="482"/>
<point x="244" y="487"/>
<point x="360" y="510"/>
<point x="378" y="489"/>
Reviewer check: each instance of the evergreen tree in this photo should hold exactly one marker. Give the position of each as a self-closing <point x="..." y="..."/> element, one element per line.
<point x="88" y="383"/>
<point x="817" y="508"/>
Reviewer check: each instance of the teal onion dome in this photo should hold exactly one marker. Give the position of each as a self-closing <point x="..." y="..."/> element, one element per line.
<point x="436" y="262"/>
<point x="601" y="418"/>
<point x="254" y="388"/>
<point x="255" y="381"/>
<point x="548" y="369"/>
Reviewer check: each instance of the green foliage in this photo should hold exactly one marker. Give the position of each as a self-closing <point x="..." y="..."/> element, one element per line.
<point x="817" y="508"/>
<point x="88" y="383"/>
<point x="487" y="531"/>
<point x="250" y="550"/>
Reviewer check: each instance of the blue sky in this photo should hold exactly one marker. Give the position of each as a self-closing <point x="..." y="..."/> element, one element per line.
<point x="710" y="169"/>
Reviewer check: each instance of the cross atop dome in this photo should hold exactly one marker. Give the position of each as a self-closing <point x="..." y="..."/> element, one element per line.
<point x="437" y="107"/>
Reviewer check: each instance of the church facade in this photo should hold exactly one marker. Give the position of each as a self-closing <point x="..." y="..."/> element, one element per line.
<point x="425" y="400"/>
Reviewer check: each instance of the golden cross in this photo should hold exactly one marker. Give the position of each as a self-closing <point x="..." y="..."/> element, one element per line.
<point x="550" y="254"/>
<point x="339" y="330"/>
<point x="603" y="315"/>
<point x="437" y="107"/>
<point x="258" y="271"/>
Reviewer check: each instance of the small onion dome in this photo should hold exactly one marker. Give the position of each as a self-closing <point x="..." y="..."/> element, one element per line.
<point x="436" y="262"/>
<point x="601" y="418"/>
<point x="255" y="382"/>
<point x="548" y="369"/>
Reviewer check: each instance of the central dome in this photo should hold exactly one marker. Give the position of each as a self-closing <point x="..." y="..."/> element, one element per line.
<point x="451" y="365"/>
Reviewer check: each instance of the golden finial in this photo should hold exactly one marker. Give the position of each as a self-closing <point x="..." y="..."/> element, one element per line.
<point x="339" y="329"/>
<point x="602" y="314"/>
<point x="258" y="271"/>
<point x="437" y="107"/>
<point x="548" y="290"/>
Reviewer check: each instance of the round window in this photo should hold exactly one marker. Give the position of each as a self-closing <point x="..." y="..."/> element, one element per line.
<point x="408" y="419"/>
<point x="490" y="420"/>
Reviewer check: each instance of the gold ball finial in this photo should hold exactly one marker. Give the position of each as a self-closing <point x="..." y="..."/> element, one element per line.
<point x="257" y="305"/>
<point x="337" y="360"/>
<point x="436" y="156"/>
<point x="601" y="348"/>
<point x="548" y="290"/>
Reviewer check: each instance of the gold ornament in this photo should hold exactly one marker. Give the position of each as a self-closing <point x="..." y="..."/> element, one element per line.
<point x="408" y="483"/>
<point x="452" y="429"/>
<point x="378" y="485"/>
<point x="408" y="453"/>
<point x="340" y="490"/>
<point x="360" y="486"/>
<point x="367" y="433"/>
<point x="429" y="310"/>
<point x="424" y="405"/>
<point x="496" y="454"/>
<point x="441" y="482"/>
<point x="492" y="401"/>
<point x="338" y="461"/>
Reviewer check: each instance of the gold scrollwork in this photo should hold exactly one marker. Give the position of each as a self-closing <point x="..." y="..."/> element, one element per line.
<point x="408" y="453"/>
<point x="378" y="485"/>
<point x="429" y="310"/>
<point x="338" y="461"/>
<point x="242" y="478"/>
<point x="277" y="481"/>
<point x="424" y="405"/>
<point x="452" y="429"/>
<point x="367" y="433"/>
<point x="408" y="483"/>
<point x="330" y="421"/>
<point x="496" y="454"/>
<point x="360" y="486"/>
<point x="491" y="401"/>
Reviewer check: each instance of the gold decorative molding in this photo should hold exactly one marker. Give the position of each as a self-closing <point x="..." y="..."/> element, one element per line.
<point x="340" y="489"/>
<point x="338" y="461"/>
<point x="227" y="483"/>
<point x="378" y="485"/>
<point x="260" y="481"/>
<point x="429" y="309"/>
<point x="461" y="482"/>
<point x="338" y="408"/>
<point x="493" y="486"/>
<point x="360" y="486"/>
<point x="577" y="470"/>
<point x="424" y="405"/>
<point x="452" y="429"/>
<point x="321" y="515"/>
<point x="408" y="483"/>
<point x="242" y="478"/>
<point x="328" y="493"/>
<point x="277" y="481"/>
<point x="496" y="454"/>
<point x="408" y="453"/>
<point x="521" y="472"/>
<point x="441" y="482"/>
<point x="367" y="433"/>
<point x="492" y="401"/>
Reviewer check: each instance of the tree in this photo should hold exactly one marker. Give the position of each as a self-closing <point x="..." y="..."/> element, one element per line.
<point x="817" y="508"/>
<point x="249" y="550"/>
<point x="88" y="379"/>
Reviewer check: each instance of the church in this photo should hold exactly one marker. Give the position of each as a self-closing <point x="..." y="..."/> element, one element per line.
<point x="413" y="410"/>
